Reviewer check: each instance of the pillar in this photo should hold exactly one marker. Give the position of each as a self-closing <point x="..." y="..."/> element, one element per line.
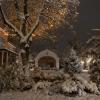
<point x="2" y="58"/>
<point x="6" y="58"/>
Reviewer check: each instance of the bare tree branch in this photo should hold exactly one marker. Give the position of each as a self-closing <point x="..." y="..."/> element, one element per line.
<point x="98" y="30"/>
<point x="17" y="9"/>
<point x="34" y="27"/>
<point x="25" y="8"/>
<point x="24" y="18"/>
<point x="26" y="38"/>
<point x="9" y="23"/>
<point x="93" y="39"/>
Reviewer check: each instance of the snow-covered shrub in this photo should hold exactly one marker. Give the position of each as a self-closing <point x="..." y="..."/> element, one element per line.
<point x="13" y="77"/>
<point x="95" y="72"/>
<point x="79" y="86"/>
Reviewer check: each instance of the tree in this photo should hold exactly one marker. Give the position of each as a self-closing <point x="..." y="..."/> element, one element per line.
<point x="31" y="18"/>
<point x="94" y="41"/>
<point x="73" y="64"/>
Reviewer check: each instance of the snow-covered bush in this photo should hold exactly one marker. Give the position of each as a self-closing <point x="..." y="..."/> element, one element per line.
<point x="79" y="86"/>
<point x="95" y="73"/>
<point x="13" y="77"/>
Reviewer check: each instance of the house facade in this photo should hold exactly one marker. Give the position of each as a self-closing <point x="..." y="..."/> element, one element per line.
<point x="7" y="50"/>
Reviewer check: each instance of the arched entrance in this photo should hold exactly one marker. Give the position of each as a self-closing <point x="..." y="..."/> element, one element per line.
<point x="47" y="59"/>
<point x="47" y="62"/>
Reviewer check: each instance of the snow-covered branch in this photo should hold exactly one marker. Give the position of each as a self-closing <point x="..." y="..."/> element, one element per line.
<point x="34" y="27"/>
<point x="9" y="23"/>
<point x="24" y="18"/>
<point x="93" y="39"/>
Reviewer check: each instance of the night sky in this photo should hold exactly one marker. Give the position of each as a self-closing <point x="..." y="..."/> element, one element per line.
<point x="89" y="18"/>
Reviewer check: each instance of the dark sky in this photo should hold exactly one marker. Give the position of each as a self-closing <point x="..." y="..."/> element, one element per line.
<point x="89" y="17"/>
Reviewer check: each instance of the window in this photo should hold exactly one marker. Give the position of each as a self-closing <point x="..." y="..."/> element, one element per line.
<point x="1" y="42"/>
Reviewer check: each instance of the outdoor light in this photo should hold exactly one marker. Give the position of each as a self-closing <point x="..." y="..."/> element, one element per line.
<point x="33" y="35"/>
<point x="82" y="62"/>
<point x="51" y="25"/>
<point x="89" y="59"/>
<point x="31" y="69"/>
<point x="6" y="34"/>
<point x="94" y="61"/>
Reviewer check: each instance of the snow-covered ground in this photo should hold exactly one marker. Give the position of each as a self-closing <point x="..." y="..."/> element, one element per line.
<point x="30" y="95"/>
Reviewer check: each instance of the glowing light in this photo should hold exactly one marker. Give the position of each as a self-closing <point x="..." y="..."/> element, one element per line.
<point x="6" y="34"/>
<point x="61" y="13"/>
<point x="32" y="69"/>
<point x="33" y="35"/>
<point x="51" y="25"/>
<point x="89" y="59"/>
<point x="94" y="61"/>
<point x="82" y="62"/>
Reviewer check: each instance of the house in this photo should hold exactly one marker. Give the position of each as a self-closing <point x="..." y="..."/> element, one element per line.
<point x="7" y="50"/>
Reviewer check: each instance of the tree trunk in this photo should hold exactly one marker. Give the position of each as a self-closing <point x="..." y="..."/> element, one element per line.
<point x="25" y="50"/>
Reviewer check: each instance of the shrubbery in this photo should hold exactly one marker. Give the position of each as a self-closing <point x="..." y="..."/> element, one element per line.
<point x="95" y="73"/>
<point x="7" y="74"/>
<point x="13" y="77"/>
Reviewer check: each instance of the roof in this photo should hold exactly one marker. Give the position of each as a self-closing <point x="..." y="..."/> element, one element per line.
<point x="47" y="52"/>
<point x="4" y="44"/>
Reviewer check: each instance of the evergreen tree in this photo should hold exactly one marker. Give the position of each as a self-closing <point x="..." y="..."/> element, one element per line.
<point x="73" y="63"/>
